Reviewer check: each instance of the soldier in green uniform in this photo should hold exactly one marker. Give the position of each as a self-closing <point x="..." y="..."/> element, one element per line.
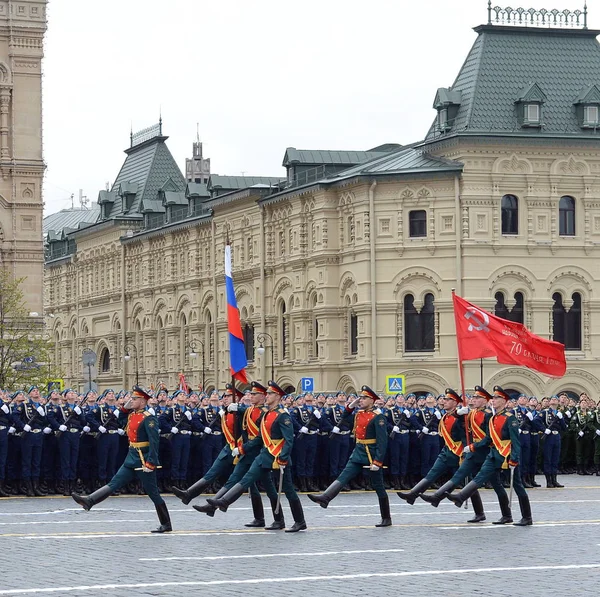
<point x="141" y="461"/>
<point x="582" y="425"/>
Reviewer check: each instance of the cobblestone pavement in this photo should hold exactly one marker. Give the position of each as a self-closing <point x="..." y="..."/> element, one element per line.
<point x="51" y="546"/>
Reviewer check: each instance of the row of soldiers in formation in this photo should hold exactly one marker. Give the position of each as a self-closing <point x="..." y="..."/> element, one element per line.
<point x="67" y="441"/>
<point x="482" y="439"/>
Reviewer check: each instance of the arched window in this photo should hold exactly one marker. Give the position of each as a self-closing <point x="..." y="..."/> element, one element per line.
<point x="417" y="223"/>
<point x="419" y="328"/>
<point x="516" y="313"/>
<point x="566" y="216"/>
<point x="248" y="332"/>
<point x="105" y="361"/>
<point x="566" y="325"/>
<point x="510" y="214"/>
<point x="353" y="333"/>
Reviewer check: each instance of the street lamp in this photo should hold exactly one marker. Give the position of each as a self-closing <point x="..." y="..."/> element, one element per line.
<point x="127" y="357"/>
<point x="261" y="338"/>
<point x="193" y="353"/>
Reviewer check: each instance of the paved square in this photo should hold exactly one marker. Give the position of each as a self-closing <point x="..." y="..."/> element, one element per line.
<point x="51" y="546"/>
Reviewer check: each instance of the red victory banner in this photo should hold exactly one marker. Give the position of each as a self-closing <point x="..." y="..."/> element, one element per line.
<point x="480" y="334"/>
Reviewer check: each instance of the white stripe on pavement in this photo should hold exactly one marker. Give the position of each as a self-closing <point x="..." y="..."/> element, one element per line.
<point x="71" y="521"/>
<point x="271" y="555"/>
<point x="568" y="523"/>
<point x="142" y="534"/>
<point x="292" y="579"/>
<point x="442" y="512"/>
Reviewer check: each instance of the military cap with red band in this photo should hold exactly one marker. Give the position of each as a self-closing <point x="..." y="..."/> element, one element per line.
<point x="231" y="389"/>
<point x="482" y="393"/>
<point x="138" y="392"/>
<point x="273" y="387"/>
<point x="255" y="386"/>
<point x="500" y="393"/>
<point x="450" y="393"/>
<point x="367" y="391"/>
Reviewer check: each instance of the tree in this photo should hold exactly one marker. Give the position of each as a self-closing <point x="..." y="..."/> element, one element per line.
<point x="25" y="349"/>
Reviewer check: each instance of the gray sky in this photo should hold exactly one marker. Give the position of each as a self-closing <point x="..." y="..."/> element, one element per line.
<point x="257" y="76"/>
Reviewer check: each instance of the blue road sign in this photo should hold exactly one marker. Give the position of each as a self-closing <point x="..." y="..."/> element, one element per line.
<point x="395" y="384"/>
<point x="307" y="384"/>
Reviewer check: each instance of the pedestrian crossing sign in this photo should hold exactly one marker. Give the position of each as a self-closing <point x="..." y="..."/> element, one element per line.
<point x="395" y="384"/>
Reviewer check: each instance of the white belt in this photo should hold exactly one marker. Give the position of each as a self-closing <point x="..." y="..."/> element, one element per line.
<point x="554" y="432"/>
<point x="344" y="432"/>
<point x="432" y="433"/>
<point x="36" y="431"/>
<point x="523" y="431"/>
<point x="403" y="431"/>
<point x="216" y="433"/>
<point x="184" y="432"/>
<point x="112" y="431"/>
<point x="2" y="427"/>
<point x="73" y="430"/>
<point x="311" y="432"/>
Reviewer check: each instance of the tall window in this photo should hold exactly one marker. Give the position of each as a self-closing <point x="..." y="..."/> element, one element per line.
<point x="283" y="331"/>
<point x="419" y="328"/>
<point x="516" y="313"/>
<point x="105" y="361"/>
<point x="566" y="325"/>
<point x="510" y="214"/>
<point x="248" y="332"/>
<point x="353" y="333"/>
<point x="566" y="216"/>
<point x="417" y="220"/>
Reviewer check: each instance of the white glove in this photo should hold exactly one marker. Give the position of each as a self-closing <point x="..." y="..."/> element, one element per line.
<point x="336" y="429"/>
<point x="406" y="412"/>
<point x="117" y="412"/>
<point x="207" y="430"/>
<point x="559" y="415"/>
<point x="86" y="429"/>
<point x="188" y="415"/>
<point x="374" y="468"/>
<point x="520" y="432"/>
<point x="62" y="428"/>
<point x="547" y="432"/>
<point x="418" y="431"/>
<point x="145" y="469"/>
<point x="396" y="429"/>
<point x="303" y="429"/>
<point x="235" y="452"/>
<point x="466" y="449"/>
<point x="77" y="410"/>
<point x="11" y="430"/>
<point x="568" y="413"/>
<point x="121" y="431"/>
<point x="438" y="414"/>
<point x="425" y="430"/>
<point x="529" y="415"/>
<point x="232" y="408"/>
<point x="47" y="430"/>
<point x="26" y="428"/>
<point x="597" y="431"/>
<point x="102" y="429"/>
<point x="5" y="409"/>
<point x="150" y="410"/>
<point x="463" y="410"/>
<point x="580" y="434"/>
<point x="222" y="412"/>
<point x="317" y="414"/>
<point x="41" y="410"/>
<point x="174" y="430"/>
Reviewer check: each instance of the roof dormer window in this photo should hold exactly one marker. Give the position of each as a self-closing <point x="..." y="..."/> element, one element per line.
<point x="587" y="107"/>
<point x="447" y="103"/>
<point x="532" y="114"/>
<point x="529" y="106"/>
<point x="443" y="119"/>
<point x="590" y="116"/>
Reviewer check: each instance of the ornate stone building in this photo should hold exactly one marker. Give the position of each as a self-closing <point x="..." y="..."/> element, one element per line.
<point x="347" y="264"/>
<point x="22" y="28"/>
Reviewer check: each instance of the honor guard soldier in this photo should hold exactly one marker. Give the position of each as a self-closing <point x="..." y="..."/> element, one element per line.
<point x="29" y="419"/>
<point x="582" y="423"/>
<point x="50" y="451"/>
<point x="308" y="417"/>
<point x="210" y="425"/>
<point x="5" y="425"/>
<point x="339" y="442"/>
<point x="452" y="428"/>
<point x="554" y="423"/>
<point x="141" y="461"/>
<point x="399" y="428"/>
<point x="426" y="419"/>
<point x="277" y="437"/>
<point x="505" y="453"/>
<point x="370" y="431"/>
<point x="528" y="423"/>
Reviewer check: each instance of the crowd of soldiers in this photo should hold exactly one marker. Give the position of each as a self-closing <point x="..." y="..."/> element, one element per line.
<point x="68" y="442"/>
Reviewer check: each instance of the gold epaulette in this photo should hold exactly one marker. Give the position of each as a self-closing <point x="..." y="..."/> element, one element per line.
<point x="147" y="413"/>
<point x="281" y="410"/>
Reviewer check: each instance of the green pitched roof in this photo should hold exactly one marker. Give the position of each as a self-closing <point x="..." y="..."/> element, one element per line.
<point x="319" y="156"/>
<point x="233" y="183"/>
<point x="506" y="64"/>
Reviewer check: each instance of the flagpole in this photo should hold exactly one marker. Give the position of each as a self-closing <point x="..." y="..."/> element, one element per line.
<point x="481" y="372"/>
<point x="461" y="370"/>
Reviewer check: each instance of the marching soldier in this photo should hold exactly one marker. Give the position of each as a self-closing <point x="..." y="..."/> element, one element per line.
<point x="554" y="422"/>
<point x="277" y="437"/>
<point x="141" y="461"/>
<point x="370" y="430"/>
<point x="505" y="452"/>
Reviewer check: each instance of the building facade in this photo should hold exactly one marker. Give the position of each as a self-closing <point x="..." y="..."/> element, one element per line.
<point x="346" y="277"/>
<point x="22" y="28"/>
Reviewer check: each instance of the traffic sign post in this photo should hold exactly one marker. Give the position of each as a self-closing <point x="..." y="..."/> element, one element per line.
<point x="395" y="384"/>
<point x="307" y="384"/>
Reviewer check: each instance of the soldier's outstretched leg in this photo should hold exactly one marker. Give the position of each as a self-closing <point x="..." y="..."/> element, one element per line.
<point x="417" y="490"/>
<point x="439" y="495"/>
<point x="187" y="495"/>
<point x="207" y="508"/>
<point x="87" y="501"/>
<point x="226" y="500"/>
<point x="324" y="498"/>
<point x="458" y="499"/>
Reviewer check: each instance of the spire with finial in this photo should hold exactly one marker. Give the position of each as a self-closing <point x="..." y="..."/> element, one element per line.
<point x="160" y="120"/>
<point x="131" y="135"/>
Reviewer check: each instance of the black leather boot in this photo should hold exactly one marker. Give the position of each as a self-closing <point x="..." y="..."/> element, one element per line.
<point x="506" y="517"/>
<point x="258" y="511"/>
<point x="66" y="487"/>
<point x="526" y="519"/>
<point x="463" y="495"/>
<point x="324" y="498"/>
<point x="187" y="495"/>
<point x="532" y="480"/>
<point x="549" y="482"/>
<point x="2" y="491"/>
<point x="163" y="518"/>
<point x="298" y="515"/>
<point x="278" y="521"/>
<point x="87" y="501"/>
<point x="439" y="495"/>
<point x="384" y="509"/>
<point x="555" y="481"/>
<point x="526" y="482"/>
<point x="207" y="508"/>
<point x="477" y="508"/>
<point x="37" y="491"/>
<point x="223" y="502"/>
<point x="414" y="493"/>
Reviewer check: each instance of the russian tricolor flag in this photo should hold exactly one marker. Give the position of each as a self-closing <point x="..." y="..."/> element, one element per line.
<point x="237" y="352"/>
